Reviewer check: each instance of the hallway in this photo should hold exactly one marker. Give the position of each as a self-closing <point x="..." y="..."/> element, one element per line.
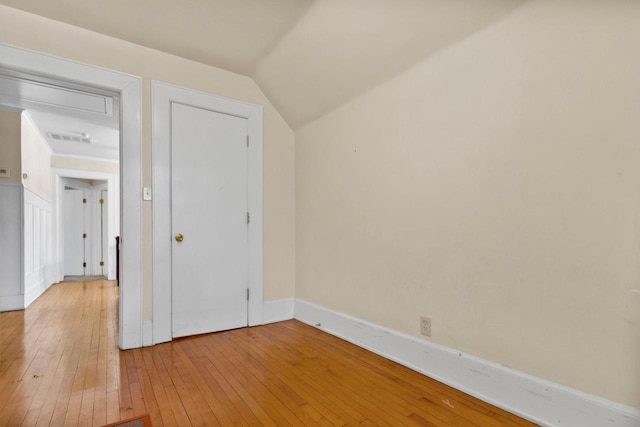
<point x="59" y="360"/>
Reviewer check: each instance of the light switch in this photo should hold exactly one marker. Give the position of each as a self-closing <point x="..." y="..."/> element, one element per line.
<point x="146" y="193"/>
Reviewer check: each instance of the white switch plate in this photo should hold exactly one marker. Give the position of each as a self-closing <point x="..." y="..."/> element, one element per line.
<point x="146" y="193"/>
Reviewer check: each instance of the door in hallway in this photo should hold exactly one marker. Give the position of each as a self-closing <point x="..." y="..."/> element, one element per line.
<point x="74" y="232"/>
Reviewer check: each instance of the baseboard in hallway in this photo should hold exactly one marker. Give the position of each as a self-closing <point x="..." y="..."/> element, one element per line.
<point x="84" y="278"/>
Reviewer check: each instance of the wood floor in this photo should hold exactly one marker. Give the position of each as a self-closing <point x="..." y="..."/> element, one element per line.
<point x="60" y="365"/>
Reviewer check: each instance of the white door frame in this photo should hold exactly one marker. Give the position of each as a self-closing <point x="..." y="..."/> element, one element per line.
<point x="163" y="95"/>
<point x="130" y="90"/>
<point x="58" y="190"/>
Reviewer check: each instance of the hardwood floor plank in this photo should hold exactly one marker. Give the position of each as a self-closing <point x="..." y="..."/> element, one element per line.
<point x="237" y="365"/>
<point x="436" y="393"/>
<point x="307" y="414"/>
<point x="113" y="407"/>
<point x="357" y="377"/>
<point x="243" y="391"/>
<point x="20" y="402"/>
<point x="143" y="399"/>
<point x="60" y="365"/>
<point x="225" y="402"/>
<point x="73" y="409"/>
<point x="264" y="375"/>
<point x="124" y="391"/>
<point x="194" y="399"/>
<point x="158" y="390"/>
<point x="297" y="370"/>
<point x="181" y="402"/>
<point x="66" y="386"/>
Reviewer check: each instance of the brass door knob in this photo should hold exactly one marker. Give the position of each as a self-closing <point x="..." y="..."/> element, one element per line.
<point x="179" y="237"/>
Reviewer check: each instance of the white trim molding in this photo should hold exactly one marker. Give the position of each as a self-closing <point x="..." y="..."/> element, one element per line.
<point x="543" y="402"/>
<point x="147" y="333"/>
<point x="129" y="89"/>
<point x="27" y="117"/>
<point x="278" y="310"/>
<point x="27" y="262"/>
<point x="58" y="175"/>
<point x="162" y="96"/>
<point x="12" y="303"/>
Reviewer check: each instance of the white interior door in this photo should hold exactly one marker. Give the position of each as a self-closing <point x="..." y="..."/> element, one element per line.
<point x="97" y="230"/>
<point x="74" y="218"/>
<point x="208" y="220"/>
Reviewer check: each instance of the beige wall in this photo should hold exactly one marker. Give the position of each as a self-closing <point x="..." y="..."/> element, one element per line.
<point x="36" y="160"/>
<point x="10" y="146"/>
<point x="16" y="28"/>
<point x="495" y="187"/>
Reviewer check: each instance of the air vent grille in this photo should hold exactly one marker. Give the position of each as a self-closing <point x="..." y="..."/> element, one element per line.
<point x="68" y="137"/>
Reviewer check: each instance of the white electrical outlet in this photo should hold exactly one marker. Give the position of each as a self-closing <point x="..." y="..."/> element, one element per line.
<point x="425" y="326"/>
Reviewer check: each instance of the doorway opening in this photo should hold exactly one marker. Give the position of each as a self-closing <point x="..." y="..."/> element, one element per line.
<point x="221" y="140"/>
<point x="68" y="84"/>
<point x="68" y="125"/>
<point x="85" y="218"/>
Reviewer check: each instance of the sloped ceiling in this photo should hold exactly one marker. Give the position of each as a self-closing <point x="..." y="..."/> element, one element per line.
<point x="309" y="57"/>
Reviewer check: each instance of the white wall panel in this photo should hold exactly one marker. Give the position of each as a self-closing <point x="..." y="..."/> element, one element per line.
<point x="10" y="247"/>
<point x="39" y="267"/>
<point x="28" y="237"/>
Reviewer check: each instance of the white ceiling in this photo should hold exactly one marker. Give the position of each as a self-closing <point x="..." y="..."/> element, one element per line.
<point x="308" y="56"/>
<point x="68" y="110"/>
<point x="105" y="140"/>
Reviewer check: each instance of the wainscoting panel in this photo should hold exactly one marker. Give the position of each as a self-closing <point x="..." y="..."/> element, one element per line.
<point x="38" y="250"/>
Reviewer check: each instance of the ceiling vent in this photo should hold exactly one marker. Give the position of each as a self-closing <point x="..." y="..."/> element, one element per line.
<point x="85" y="138"/>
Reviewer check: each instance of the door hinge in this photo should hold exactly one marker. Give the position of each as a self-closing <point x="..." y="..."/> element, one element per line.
<point x="248" y="218"/>
<point x="84" y="235"/>
<point x="247" y="294"/>
<point x="101" y="201"/>
<point x="84" y="200"/>
<point x="247" y="140"/>
<point x="84" y="264"/>
<point x="101" y="263"/>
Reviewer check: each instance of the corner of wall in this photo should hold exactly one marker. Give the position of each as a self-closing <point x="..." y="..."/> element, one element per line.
<point x="538" y="400"/>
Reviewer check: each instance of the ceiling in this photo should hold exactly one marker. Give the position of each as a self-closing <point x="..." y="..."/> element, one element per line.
<point x="308" y="56"/>
<point x="104" y="140"/>
<point x="74" y="120"/>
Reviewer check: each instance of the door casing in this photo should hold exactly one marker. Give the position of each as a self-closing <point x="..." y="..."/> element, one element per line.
<point x="130" y="90"/>
<point x="59" y="176"/>
<point x="163" y="95"/>
<point x="74" y="228"/>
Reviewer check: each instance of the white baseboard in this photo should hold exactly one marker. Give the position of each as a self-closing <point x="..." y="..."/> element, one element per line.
<point x="277" y="311"/>
<point x="12" y="302"/>
<point x="535" y="399"/>
<point x="147" y="333"/>
<point x="37" y="289"/>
